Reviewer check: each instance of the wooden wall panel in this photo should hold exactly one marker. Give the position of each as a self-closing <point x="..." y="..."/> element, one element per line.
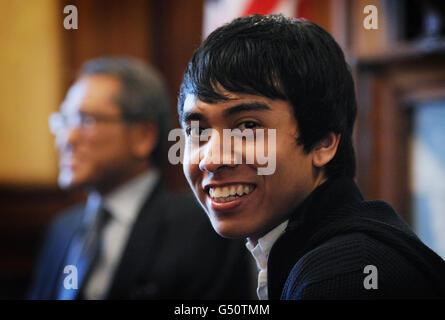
<point x="176" y="34"/>
<point x="30" y="89"/>
<point x="384" y="123"/>
<point x="107" y="27"/>
<point x="363" y="42"/>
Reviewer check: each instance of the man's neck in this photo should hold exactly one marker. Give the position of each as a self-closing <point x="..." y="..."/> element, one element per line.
<point x="319" y="180"/>
<point x="108" y="188"/>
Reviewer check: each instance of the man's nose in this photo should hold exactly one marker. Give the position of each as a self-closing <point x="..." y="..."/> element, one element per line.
<point x="213" y="157"/>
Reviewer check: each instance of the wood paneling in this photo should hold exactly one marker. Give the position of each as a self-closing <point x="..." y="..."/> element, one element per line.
<point x="31" y="61"/>
<point x="176" y="34"/>
<point x="383" y="126"/>
<point x="107" y="27"/>
<point x="366" y="42"/>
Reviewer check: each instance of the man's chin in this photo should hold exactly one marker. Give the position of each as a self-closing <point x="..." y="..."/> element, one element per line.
<point x="65" y="179"/>
<point x="231" y="232"/>
<point x="68" y="181"/>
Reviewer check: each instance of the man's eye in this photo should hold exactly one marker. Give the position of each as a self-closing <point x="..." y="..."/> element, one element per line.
<point x="194" y="131"/>
<point x="87" y="120"/>
<point x="248" y="125"/>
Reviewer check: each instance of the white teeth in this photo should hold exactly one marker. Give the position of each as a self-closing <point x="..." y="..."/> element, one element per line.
<point x="229" y="193"/>
<point x="225" y="192"/>
<point x="228" y="199"/>
<point x="239" y="190"/>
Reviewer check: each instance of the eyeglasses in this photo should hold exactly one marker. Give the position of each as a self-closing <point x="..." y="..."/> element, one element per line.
<point x="58" y="122"/>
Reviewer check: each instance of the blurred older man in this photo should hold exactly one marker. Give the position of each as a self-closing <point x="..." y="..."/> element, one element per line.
<point x="132" y="239"/>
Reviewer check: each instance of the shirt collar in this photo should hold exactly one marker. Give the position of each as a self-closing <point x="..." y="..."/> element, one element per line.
<point x="125" y="202"/>
<point x="261" y="251"/>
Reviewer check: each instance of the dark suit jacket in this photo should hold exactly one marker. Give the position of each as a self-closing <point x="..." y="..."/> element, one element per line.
<point x="334" y="234"/>
<point x="172" y="253"/>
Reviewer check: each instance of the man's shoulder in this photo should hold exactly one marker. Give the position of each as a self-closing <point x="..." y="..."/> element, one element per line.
<point x="183" y="201"/>
<point x="59" y="232"/>
<point x="70" y="216"/>
<point x="340" y="255"/>
<point x="64" y="224"/>
<point x="185" y="245"/>
<point x="175" y="215"/>
<point x="175" y="205"/>
<point x="364" y="233"/>
<point x="337" y="269"/>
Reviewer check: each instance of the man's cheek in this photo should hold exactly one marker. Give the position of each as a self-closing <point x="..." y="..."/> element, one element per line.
<point x="189" y="178"/>
<point x="266" y="151"/>
<point x="190" y="174"/>
<point x="186" y="167"/>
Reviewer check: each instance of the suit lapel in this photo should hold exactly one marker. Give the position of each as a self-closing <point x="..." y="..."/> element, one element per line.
<point x="70" y="231"/>
<point x="142" y="239"/>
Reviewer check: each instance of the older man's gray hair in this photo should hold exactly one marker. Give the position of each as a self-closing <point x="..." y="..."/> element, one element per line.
<point x="143" y="95"/>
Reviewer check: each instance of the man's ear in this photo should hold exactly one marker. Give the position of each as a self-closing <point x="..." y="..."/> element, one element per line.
<point x="325" y="150"/>
<point x="144" y="138"/>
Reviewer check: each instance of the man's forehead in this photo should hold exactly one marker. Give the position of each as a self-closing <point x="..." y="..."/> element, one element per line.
<point x="75" y="97"/>
<point x="90" y="92"/>
<point x="195" y="108"/>
<point x="193" y="104"/>
<point x="190" y="102"/>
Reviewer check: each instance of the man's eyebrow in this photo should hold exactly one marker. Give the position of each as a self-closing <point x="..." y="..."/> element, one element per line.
<point x="191" y="116"/>
<point x="242" y="107"/>
<point x="247" y="106"/>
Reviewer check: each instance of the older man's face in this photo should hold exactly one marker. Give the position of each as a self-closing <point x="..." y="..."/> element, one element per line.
<point x="94" y="143"/>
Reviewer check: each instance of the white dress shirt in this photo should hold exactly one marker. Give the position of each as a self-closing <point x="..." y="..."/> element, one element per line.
<point x="124" y="204"/>
<point x="260" y="252"/>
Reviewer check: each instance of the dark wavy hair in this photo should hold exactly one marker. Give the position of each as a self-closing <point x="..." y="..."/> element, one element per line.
<point x="287" y="59"/>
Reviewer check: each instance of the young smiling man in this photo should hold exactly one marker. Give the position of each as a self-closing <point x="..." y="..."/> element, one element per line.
<point x="312" y="234"/>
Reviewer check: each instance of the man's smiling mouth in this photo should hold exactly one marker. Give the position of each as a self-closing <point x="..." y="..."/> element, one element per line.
<point x="230" y="192"/>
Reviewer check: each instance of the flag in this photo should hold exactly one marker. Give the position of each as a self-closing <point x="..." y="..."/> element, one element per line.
<point x="219" y="12"/>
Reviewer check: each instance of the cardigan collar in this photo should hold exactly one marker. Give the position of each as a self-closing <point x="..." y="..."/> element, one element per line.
<point x="325" y="199"/>
<point x="328" y="197"/>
